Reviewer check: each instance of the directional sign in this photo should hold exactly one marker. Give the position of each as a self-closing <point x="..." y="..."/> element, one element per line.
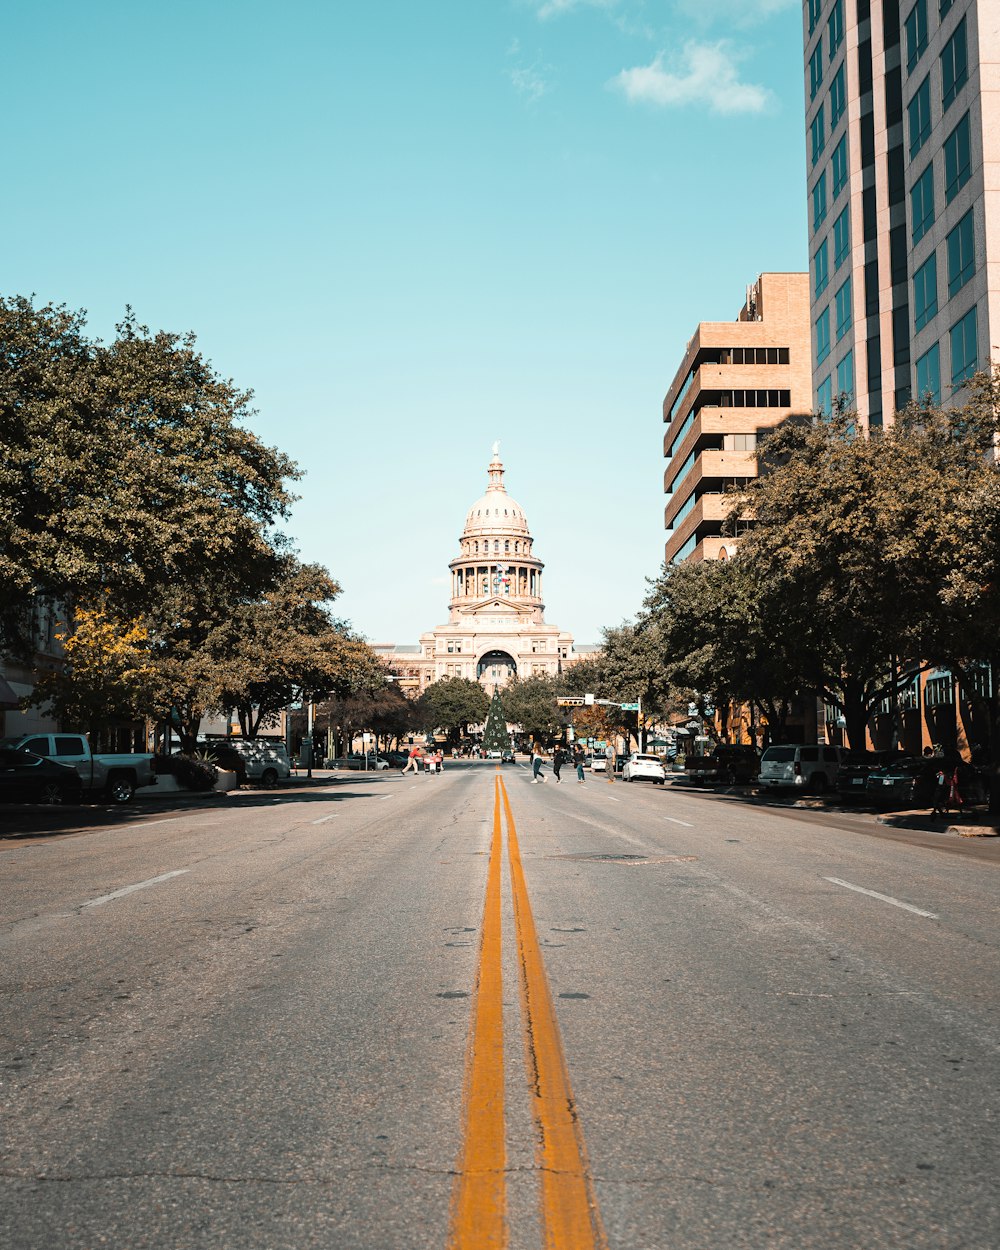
<point x="629" y="707"/>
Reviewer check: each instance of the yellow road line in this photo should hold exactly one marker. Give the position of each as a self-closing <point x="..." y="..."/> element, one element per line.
<point x="479" y="1196"/>
<point x="570" y="1214"/>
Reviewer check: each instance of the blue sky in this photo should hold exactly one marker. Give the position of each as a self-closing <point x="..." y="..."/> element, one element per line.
<point x="413" y="229"/>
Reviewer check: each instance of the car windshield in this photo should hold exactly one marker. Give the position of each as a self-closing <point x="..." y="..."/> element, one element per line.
<point x="646" y="759"/>
<point x="779" y="755"/>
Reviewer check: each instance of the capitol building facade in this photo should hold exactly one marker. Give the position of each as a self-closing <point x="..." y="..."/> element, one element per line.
<point x="496" y="626"/>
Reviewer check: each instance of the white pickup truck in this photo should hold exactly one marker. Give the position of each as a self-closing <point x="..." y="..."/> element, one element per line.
<point x="117" y="776"/>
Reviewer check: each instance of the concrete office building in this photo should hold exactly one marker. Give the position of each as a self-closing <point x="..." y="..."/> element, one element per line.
<point x="903" y="156"/>
<point x="737" y="380"/>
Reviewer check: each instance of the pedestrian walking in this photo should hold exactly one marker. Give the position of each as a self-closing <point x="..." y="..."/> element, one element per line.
<point x="578" y="760"/>
<point x="413" y="763"/>
<point x="610" y="753"/>
<point x="941" y="789"/>
<point x="439" y="760"/>
<point x="557" y="763"/>
<point x="955" y="799"/>
<point x="537" y="760"/>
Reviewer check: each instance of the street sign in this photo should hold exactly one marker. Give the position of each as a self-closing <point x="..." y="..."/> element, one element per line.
<point x="629" y="707"/>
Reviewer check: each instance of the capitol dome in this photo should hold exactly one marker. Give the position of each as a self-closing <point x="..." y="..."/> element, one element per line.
<point x="495" y="513"/>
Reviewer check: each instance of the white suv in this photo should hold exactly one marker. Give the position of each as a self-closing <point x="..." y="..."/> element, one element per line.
<point x="639" y="767"/>
<point x="805" y="767"/>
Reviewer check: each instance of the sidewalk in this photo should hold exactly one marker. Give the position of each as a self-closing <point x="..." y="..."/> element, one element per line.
<point x="968" y="825"/>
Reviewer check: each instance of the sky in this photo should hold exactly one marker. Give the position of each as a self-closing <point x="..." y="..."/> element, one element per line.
<point x="413" y="229"/>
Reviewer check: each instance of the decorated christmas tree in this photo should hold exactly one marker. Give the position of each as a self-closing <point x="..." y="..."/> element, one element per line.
<point x="495" y="735"/>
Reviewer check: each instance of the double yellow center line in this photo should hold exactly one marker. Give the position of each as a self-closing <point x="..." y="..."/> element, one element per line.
<point x="570" y="1216"/>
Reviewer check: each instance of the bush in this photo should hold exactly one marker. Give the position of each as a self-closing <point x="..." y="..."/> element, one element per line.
<point x="191" y="772"/>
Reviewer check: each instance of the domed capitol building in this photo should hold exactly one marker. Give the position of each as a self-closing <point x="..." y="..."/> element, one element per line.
<point x="496" y="615"/>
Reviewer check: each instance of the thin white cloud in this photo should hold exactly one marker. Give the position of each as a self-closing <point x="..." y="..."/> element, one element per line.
<point x="734" y="12"/>
<point x="529" y="83"/>
<point x="552" y="8"/>
<point x="706" y="74"/>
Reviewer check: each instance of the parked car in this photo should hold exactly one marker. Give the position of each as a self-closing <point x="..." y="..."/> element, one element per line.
<point x="857" y="766"/>
<point x="261" y="760"/>
<point x="807" y="767"/>
<point x="397" y="759"/>
<point x="598" y="763"/>
<point x="727" y="764"/>
<point x="29" y="778"/>
<point x="362" y="763"/>
<point x="910" y="782"/>
<point x="643" y="767"/>
<point x="117" y="776"/>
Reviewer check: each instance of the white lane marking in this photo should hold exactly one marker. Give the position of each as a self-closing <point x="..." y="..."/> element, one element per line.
<point x="383" y="797"/>
<point x="686" y="823"/>
<point x="323" y="819"/>
<point x="130" y="889"/>
<point x="612" y="798"/>
<point x="885" y="898"/>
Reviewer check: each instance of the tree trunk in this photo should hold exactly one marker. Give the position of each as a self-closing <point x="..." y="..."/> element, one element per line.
<point x="856" y="710"/>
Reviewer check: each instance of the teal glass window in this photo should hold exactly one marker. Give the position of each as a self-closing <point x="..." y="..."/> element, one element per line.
<point x="838" y="166"/>
<point x="964" y="347"/>
<point x="925" y="303"/>
<point x="954" y="64"/>
<point x="835" y="27"/>
<point x="944" y="8"/>
<point x="929" y="375"/>
<point x="824" y="397"/>
<point x="823" y="335"/>
<point x="961" y="254"/>
<point x="845" y="377"/>
<point x="845" y="315"/>
<point x="838" y="97"/>
<point x="815" y="8"/>
<point x="816" y="71"/>
<point x="918" y="116"/>
<point x="841" y="238"/>
<point x="922" y="204"/>
<point x="915" y="30"/>
<point x="817" y="134"/>
<point x="957" y="159"/>
<point x="821" y="268"/>
<point x="819" y="200"/>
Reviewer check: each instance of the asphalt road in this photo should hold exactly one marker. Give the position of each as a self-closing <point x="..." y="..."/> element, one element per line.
<point x="398" y="1012"/>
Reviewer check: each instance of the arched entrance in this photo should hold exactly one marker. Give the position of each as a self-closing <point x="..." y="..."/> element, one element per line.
<point x="496" y="667"/>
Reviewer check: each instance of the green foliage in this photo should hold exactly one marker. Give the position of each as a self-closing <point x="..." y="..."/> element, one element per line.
<point x="452" y="704"/>
<point x="532" y="703"/>
<point x="496" y="736"/>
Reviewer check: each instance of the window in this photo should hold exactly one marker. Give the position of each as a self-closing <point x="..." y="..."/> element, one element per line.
<point x="819" y="200"/>
<point x="915" y="29"/>
<point x="925" y="303"/>
<point x="957" y="160"/>
<point x="845" y="377"/>
<point x="961" y="255"/>
<point x="815" y="8"/>
<point x="944" y="8"/>
<point x="835" y="27"/>
<point x="823" y="335"/>
<point x="922" y="205"/>
<point x="816" y="70"/>
<point x="929" y="375"/>
<point x="838" y="167"/>
<point x="918" y="114"/>
<point x="838" y="97"/>
<point x="844" y="314"/>
<point x="817" y="134"/>
<point x="824" y="397"/>
<point x="964" y="353"/>
<point x="954" y="65"/>
<point x="841" y="238"/>
<point x="821" y="269"/>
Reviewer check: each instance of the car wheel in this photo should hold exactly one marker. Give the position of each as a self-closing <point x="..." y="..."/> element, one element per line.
<point x="51" y="792"/>
<point x="120" y="790"/>
<point x="728" y="779"/>
<point x="269" y="778"/>
<point x="818" y="783"/>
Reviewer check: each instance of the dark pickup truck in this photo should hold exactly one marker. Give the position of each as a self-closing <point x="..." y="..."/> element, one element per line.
<point x="727" y="765"/>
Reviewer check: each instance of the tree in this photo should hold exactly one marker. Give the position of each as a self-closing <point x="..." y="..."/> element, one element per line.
<point x="125" y="470"/>
<point x="496" y="735"/>
<point x="452" y="704"/>
<point x="532" y="703"/>
<point x="107" y="675"/>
